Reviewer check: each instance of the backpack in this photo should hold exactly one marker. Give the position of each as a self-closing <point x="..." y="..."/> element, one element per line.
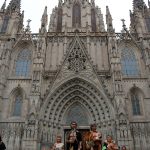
<point x="104" y="147"/>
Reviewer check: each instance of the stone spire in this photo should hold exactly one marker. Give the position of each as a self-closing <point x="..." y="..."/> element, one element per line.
<point x="74" y="1"/>
<point x="93" y="2"/>
<point x="132" y="19"/>
<point x="44" y="17"/>
<point x="109" y="20"/>
<point x="139" y="4"/>
<point x="14" y="6"/>
<point x="44" y="21"/>
<point x="60" y="3"/>
<point x="132" y="22"/>
<point x="148" y="3"/>
<point x="3" y="6"/>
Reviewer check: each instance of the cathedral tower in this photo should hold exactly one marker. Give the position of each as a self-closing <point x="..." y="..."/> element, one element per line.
<point x="74" y="69"/>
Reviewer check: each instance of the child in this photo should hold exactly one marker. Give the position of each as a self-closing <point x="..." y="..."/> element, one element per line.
<point x="58" y="145"/>
<point x="109" y="144"/>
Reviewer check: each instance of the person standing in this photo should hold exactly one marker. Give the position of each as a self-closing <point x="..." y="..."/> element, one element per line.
<point x="58" y="145"/>
<point x="74" y="138"/>
<point x="124" y="148"/>
<point x="94" y="138"/>
<point x="110" y="144"/>
<point x="2" y="145"/>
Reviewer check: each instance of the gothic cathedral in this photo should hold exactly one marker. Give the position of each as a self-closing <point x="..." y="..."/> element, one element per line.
<point x="75" y="69"/>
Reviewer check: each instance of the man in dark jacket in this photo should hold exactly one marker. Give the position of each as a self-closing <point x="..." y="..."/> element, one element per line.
<point x="74" y="138"/>
<point x="2" y="145"/>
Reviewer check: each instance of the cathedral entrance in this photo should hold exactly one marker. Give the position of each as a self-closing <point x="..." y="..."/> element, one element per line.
<point x="82" y="130"/>
<point x="76" y="100"/>
<point x="79" y="114"/>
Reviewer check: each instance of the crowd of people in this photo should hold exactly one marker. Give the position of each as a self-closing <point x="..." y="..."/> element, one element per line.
<point x="91" y="140"/>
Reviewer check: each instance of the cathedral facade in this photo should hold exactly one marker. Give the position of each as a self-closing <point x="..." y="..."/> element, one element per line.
<point x="75" y="69"/>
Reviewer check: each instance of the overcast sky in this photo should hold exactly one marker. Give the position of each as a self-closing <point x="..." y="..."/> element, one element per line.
<point x="34" y="10"/>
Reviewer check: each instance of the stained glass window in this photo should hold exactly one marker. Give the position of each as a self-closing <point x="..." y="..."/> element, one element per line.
<point x="5" y="24"/>
<point x="59" y="20"/>
<point x="17" y="106"/>
<point x="135" y="99"/>
<point x="76" y="113"/>
<point x="23" y="63"/>
<point x="76" y="15"/>
<point x="129" y="63"/>
<point x="148" y="24"/>
<point x="93" y="20"/>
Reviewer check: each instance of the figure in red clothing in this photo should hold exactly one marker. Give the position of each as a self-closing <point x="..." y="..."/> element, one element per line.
<point x="93" y="139"/>
<point x="124" y="148"/>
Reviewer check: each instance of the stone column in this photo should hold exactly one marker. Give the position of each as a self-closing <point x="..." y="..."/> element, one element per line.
<point x="122" y="123"/>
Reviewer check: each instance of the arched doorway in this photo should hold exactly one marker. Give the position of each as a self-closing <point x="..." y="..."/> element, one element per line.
<point x="75" y="100"/>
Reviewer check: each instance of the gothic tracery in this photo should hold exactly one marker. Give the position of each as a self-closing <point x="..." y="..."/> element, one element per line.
<point x="76" y="59"/>
<point x="74" y="70"/>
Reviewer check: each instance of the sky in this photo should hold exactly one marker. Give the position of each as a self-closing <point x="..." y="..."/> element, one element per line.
<point x="34" y="9"/>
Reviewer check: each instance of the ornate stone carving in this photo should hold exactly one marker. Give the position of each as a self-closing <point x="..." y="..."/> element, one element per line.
<point x="77" y="90"/>
<point x="32" y="119"/>
<point x="76" y="59"/>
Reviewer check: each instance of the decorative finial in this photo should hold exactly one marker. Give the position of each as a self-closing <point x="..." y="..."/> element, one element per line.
<point x="93" y="2"/>
<point x="44" y="17"/>
<point x="14" y="6"/>
<point x="123" y="23"/>
<point x="28" y="25"/>
<point x="109" y="20"/>
<point x="60" y="3"/>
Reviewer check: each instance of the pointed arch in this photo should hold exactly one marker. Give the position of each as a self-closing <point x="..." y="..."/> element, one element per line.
<point x="5" y="24"/>
<point x="129" y="62"/>
<point x="59" y="19"/>
<point x="136" y="97"/>
<point x="16" y="97"/>
<point x="17" y="105"/>
<point x="76" y="15"/>
<point x="76" y="112"/>
<point x="147" y="20"/>
<point x="80" y="91"/>
<point x="23" y="63"/>
<point x="93" y="20"/>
